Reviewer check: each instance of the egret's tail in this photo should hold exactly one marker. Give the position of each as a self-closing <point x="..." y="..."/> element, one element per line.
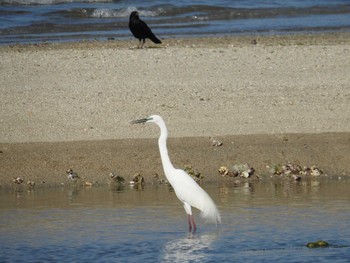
<point x="210" y="213"/>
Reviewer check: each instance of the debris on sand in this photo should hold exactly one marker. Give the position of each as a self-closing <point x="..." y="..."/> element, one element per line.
<point x="295" y="171"/>
<point x="137" y="179"/>
<point x="72" y="175"/>
<point x="87" y="183"/>
<point x="116" y="178"/>
<point x="215" y="142"/>
<point x="158" y="180"/>
<point x="17" y="180"/>
<point x="31" y="183"/>
<point x="194" y="174"/>
<point x="241" y="170"/>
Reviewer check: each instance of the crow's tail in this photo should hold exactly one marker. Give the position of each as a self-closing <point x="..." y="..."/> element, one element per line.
<point x="155" y="39"/>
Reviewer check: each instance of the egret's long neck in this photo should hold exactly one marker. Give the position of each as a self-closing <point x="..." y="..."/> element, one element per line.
<point x="163" y="147"/>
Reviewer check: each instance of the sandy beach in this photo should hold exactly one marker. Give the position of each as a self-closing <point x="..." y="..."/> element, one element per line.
<point x="268" y="99"/>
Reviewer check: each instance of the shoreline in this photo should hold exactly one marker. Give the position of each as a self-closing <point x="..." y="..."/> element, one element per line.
<point x="64" y="101"/>
<point x="325" y="38"/>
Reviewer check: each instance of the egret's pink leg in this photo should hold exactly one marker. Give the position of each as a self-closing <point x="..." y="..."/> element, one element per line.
<point x="191" y="223"/>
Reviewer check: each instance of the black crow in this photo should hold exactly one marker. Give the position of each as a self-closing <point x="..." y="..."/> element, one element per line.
<point x="140" y="29"/>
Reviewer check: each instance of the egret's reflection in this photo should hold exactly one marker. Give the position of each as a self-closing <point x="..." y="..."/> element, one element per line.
<point x="193" y="248"/>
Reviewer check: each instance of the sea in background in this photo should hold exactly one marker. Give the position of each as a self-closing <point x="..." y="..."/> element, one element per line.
<point x="35" y="21"/>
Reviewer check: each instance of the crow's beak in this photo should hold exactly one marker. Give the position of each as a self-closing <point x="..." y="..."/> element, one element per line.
<point x="140" y="121"/>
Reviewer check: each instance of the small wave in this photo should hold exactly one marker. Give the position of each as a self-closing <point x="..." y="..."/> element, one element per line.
<point x="200" y="18"/>
<point x="109" y="13"/>
<point x="105" y="13"/>
<point x="124" y="12"/>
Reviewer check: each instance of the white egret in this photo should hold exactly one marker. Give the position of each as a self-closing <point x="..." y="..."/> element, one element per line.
<point x="186" y="189"/>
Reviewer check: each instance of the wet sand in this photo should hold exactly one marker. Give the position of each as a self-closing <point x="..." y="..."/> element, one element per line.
<point x="272" y="100"/>
<point x="94" y="160"/>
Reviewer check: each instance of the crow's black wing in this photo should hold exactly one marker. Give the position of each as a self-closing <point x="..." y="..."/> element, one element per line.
<point x="148" y="33"/>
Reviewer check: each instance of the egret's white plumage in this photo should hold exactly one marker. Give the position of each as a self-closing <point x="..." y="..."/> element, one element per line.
<point x="186" y="189"/>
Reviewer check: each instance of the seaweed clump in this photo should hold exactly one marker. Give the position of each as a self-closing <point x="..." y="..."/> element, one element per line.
<point x="317" y="244"/>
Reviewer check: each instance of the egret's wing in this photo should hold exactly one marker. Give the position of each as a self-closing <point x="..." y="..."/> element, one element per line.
<point x="187" y="190"/>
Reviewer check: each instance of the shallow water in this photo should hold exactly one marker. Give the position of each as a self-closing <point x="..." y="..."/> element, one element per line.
<point x="32" y="21"/>
<point x="262" y="222"/>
